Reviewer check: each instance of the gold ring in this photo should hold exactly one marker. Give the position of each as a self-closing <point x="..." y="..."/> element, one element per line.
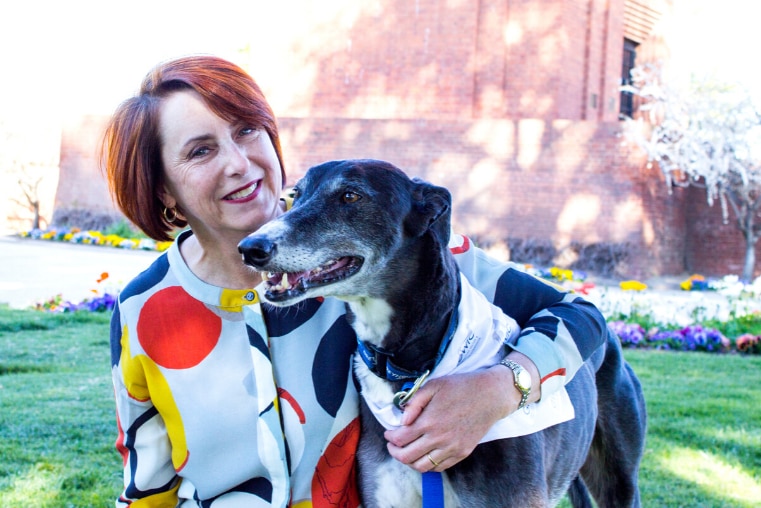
<point x="435" y="464"/>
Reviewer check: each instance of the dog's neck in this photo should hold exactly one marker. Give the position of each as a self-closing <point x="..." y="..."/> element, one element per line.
<point x="408" y="324"/>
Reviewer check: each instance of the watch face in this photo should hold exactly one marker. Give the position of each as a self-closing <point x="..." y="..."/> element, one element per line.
<point x="523" y="379"/>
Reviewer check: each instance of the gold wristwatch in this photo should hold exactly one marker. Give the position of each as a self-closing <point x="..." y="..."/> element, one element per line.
<point x="522" y="379"/>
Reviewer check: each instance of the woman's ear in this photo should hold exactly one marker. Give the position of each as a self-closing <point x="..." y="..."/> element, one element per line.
<point x="166" y="198"/>
<point x="170" y="208"/>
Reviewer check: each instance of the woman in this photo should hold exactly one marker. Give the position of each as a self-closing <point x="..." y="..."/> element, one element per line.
<point x="223" y="400"/>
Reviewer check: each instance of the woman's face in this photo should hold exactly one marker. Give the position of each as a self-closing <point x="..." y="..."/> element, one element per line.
<point x="223" y="177"/>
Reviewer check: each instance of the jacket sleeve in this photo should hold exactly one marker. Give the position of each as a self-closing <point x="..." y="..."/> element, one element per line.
<point x="149" y="476"/>
<point x="559" y="330"/>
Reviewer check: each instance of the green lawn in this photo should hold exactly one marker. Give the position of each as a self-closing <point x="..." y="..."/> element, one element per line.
<point x="57" y="427"/>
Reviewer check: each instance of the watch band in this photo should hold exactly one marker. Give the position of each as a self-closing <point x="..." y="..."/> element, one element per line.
<point x="518" y="371"/>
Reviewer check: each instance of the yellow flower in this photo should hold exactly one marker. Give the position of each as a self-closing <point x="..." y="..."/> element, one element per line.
<point x="687" y="284"/>
<point x="162" y="246"/>
<point x="114" y="240"/>
<point x="632" y="285"/>
<point x="561" y="274"/>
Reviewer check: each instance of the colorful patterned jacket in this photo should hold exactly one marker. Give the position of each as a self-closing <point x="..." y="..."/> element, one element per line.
<point x="224" y="401"/>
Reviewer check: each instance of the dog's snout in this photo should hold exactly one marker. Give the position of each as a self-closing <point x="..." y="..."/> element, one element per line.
<point x="257" y="250"/>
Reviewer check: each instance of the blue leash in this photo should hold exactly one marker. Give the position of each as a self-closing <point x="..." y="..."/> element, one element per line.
<point x="433" y="482"/>
<point x="433" y="490"/>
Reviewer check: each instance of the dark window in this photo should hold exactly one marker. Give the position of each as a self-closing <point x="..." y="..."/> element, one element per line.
<point x="627" y="99"/>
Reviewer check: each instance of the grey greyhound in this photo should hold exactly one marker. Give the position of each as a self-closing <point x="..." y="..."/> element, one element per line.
<point x="364" y="232"/>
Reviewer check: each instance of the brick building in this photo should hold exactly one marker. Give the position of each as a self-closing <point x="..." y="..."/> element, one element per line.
<point x="513" y="105"/>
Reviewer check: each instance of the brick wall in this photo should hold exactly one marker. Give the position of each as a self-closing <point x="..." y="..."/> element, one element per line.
<point x="564" y="183"/>
<point x="82" y="185"/>
<point x="548" y="59"/>
<point x="510" y="104"/>
<point x="711" y="245"/>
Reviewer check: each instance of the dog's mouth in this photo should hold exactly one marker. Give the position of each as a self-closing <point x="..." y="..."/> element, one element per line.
<point x="282" y="286"/>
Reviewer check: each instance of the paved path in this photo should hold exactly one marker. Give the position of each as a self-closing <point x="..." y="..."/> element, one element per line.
<point x="32" y="271"/>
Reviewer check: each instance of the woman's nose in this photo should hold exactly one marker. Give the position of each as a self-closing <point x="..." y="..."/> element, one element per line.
<point x="237" y="159"/>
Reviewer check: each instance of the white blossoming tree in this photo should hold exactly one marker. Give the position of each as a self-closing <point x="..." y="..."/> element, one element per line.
<point x="704" y="136"/>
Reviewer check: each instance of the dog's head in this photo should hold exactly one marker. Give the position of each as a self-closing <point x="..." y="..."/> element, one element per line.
<point x="350" y="233"/>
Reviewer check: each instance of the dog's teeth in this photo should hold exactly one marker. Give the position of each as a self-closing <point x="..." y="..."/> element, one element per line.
<point x="284" y="283"/>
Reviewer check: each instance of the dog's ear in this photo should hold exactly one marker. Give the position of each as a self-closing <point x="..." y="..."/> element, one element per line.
<point x="430" y="210"/>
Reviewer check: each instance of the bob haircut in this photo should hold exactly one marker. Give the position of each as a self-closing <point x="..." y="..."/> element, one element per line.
<point x="131" y="148"/>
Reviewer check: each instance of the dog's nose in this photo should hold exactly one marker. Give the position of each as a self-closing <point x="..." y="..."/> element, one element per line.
<point x="257" y="250"/>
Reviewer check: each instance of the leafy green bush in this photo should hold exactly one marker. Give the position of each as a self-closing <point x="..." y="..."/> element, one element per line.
<point x="124" y="229"/>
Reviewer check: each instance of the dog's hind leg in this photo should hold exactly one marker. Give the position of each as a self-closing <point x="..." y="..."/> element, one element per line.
<point x="579" y="495"/>
<point x="612" y="466"/>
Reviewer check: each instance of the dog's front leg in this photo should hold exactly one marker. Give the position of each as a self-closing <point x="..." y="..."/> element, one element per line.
<point x="384" y="481"/>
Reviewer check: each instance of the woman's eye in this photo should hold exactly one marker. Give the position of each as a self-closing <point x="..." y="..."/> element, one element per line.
<point x="351" y="197"/>
<point x="246" y="131"/>
<point x="199" y="152"/>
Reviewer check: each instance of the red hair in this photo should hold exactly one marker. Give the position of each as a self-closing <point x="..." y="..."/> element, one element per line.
<point x="132" y="144"/>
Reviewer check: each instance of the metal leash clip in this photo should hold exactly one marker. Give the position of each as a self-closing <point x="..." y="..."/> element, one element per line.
<point x="402" y="397"/>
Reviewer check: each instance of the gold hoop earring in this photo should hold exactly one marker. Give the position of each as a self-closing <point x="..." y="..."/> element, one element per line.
<point x="166" y="213"/>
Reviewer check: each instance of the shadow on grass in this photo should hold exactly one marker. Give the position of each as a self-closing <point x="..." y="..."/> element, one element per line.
<point x="11" y="368"/>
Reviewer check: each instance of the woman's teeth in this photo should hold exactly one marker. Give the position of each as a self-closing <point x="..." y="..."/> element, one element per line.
<point x="243" y="192"/>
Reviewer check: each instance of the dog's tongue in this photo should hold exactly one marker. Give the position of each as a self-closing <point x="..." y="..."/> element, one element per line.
<point x="286" y="281"/>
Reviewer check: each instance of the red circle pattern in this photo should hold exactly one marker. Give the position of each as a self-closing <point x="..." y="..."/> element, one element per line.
<point x="176" y="330"/>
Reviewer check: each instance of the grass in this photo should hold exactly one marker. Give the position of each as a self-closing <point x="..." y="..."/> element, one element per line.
<point x="57" y="427"/>
<point x="704" y="438"/>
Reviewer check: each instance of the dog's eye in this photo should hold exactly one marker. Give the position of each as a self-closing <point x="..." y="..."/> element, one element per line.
<point x="351" y="197"/>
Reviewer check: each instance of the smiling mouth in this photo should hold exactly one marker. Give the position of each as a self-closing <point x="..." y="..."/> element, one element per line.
<point x="282" y="286"/>
<point x="244" y="192"/>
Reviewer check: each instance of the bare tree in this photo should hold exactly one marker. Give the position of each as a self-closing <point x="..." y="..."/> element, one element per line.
<point x="29" y="179"/>
<point x="30" y="168"/>
<point x="703" y="137"/>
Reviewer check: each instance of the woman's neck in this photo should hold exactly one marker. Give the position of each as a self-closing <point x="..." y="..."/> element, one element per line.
<point x="212" y="255"/>
<point x="218" y="263"/>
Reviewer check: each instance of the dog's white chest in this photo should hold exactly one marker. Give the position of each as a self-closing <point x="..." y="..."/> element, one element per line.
<point x="399" y="486"/>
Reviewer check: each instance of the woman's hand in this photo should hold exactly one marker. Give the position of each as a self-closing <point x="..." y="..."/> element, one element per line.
<point x="448" y="416"/>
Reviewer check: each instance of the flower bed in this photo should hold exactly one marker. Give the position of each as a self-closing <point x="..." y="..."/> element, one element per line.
<point x="76" y="235"/>
<point x="103" y="300"/>
<point x="688" y="319"/>
<point x="689" y="338"/>
<point x="626" y="307"/>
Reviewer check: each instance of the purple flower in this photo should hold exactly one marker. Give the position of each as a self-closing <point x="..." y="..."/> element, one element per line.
<point x="631" y="335"/>
<point x="668" y="339"/>
<point x="102" y="303"/>
<point x="690" y="338"/>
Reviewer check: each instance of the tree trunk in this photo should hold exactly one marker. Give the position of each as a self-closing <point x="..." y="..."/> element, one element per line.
<point x="36" y="219"/>
<point x="750" y="257"/>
